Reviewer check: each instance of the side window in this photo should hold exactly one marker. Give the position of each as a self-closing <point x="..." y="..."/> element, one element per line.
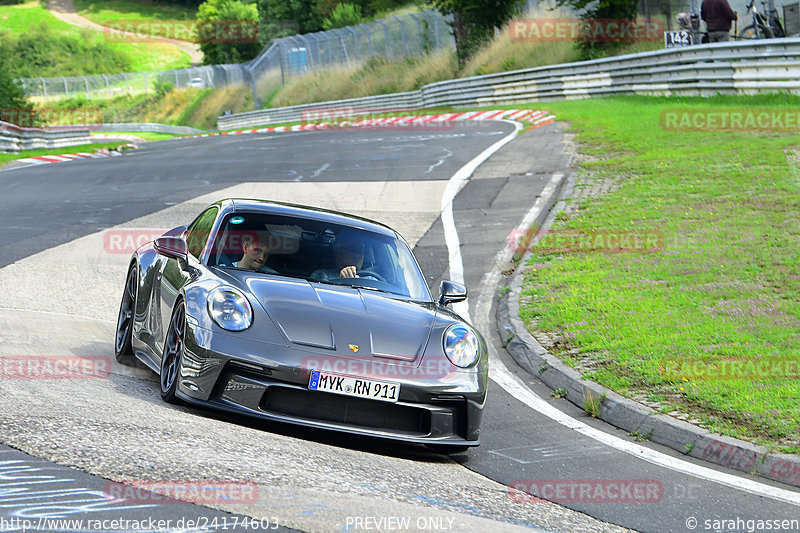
<point x="199" y="231"/>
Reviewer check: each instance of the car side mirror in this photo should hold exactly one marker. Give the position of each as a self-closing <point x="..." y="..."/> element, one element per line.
<point x="173" y="247"/>
<point x="451" y="292"/>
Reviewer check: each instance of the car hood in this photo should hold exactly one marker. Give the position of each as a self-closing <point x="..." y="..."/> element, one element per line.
<point x="344" y="321"/>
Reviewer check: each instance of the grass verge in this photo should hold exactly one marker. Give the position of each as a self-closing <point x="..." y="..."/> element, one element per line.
<point x="69" y="50"/>
<point x="198" y="108"/>
<point x="109" y="11"/>
<point x="705" y="325"/>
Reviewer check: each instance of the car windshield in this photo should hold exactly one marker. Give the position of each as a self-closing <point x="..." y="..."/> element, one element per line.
<point x="318" y="251"/>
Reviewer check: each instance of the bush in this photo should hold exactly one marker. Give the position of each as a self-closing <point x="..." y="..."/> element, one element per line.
<point x="45" y="52"/>
<point x="343" y="15"/>
<point x="162" y="86"/>
<point x="244" y="47"/>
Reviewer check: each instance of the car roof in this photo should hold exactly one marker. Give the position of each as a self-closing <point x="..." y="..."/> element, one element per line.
<point x="247" y="205"/>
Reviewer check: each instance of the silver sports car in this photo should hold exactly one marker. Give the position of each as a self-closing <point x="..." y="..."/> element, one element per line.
<point x="301" y="315"/>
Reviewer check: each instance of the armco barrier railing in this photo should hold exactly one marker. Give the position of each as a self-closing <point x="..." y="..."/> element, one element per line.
<point x="768" y="65"/>
<point x="14" y="139"/>
<point x="137" y="127"/>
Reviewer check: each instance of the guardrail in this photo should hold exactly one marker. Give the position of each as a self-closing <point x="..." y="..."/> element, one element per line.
<point x="152" y="127"/>
<point x="14" y="138"/>
<point x="704" y="70"/>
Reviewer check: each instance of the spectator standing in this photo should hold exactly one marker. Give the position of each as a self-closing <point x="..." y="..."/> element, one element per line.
<point x="718" y="16"/>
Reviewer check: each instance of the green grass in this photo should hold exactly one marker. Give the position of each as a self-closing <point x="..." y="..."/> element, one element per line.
<point x="148" y="57"/>
<point x="198" y="108"/>
<point x="103" y="12"/>
<point x="6" y="158"/>
<point x="26" y="19"/>
<point x="111" y="12"/>
<point x="725" y="286"/>
<point x="20" y="18"/>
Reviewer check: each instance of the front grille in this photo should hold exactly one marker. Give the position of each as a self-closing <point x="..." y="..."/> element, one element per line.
<point x="328" y="407"/>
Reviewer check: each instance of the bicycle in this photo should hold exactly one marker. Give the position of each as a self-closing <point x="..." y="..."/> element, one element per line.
<point x="775" y="21"/>
<point x="759" y="27"/>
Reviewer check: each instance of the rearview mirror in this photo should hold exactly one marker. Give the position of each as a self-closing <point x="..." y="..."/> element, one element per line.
<point x="451" y="292"/>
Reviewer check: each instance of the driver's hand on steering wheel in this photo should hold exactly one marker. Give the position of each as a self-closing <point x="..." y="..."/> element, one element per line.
<point x="348" y="272"/>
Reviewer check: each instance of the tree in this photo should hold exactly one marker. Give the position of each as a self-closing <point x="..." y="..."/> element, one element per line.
<point x="13" y="103"/>
<point x="227" y="31"/>
<point x="280" y="18"/>
<point x="474" y="21"/>
<point x="619" y="10"/>
<point x="12" y="95"/>
<point x="343" y="15"/>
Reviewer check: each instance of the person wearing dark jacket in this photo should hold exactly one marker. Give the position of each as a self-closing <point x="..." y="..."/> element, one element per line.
<point x="718" y="16"/>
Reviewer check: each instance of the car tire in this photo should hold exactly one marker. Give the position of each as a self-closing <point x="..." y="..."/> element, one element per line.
<point x="173" y="354"/>
<point x="123" y="350"/>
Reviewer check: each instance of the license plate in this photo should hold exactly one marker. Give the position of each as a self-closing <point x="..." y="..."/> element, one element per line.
<point x="384" y="391"/>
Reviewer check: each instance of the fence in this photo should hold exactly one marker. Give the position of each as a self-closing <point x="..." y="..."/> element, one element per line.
<point x="400" y="36"/>
<point x="111" y="85"/>
<point x="704" y="70"/>
<point x="394" y="37"/>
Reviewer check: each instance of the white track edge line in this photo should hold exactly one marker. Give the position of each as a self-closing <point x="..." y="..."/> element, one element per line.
<point x="454" y="185"/>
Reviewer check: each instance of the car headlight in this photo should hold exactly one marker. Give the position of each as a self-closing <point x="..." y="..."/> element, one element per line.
<point x="461" y="345"/>
<point x="230" y="309"/>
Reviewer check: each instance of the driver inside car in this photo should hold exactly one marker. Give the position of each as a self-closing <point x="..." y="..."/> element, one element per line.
<point x="255" y="252"/>
<point x="348" y="254"/>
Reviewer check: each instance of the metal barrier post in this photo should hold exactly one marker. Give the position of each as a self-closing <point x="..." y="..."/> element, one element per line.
<point x="419" y="32"/>
<point x="403" y="34"/>
<point x="355" y="41"/>
<point x="385" y="36"/>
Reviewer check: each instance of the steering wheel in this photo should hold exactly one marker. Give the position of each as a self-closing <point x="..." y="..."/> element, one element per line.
<point x="370" y="273"/>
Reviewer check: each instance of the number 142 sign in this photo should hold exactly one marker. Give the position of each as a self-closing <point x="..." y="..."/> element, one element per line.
<point x="677" y="39"/>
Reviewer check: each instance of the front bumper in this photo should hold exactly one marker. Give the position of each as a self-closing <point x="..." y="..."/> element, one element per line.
<point x="444" y="410"/>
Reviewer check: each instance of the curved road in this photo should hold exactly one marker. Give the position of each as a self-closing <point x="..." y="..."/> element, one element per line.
<point x="62" y="274"/>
